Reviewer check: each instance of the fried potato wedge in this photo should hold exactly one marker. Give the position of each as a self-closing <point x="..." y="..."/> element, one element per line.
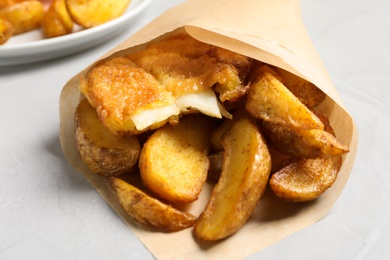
<point x="270" y="100"/>
<point x="244" y="177"/>
<point x="302" y="143"/>
<point x="24" y="16"/>
<point x="304" y="90"/>
<point x="219" y="132"/>
<point x="4" y="3"/>
<point x="150" y="211"/>
<point x="6" y="31"/>
<point x="95" y="12"/>
<point x="174" y="160"/>
<point x="57" y="21"/>
<point x="104" y="153"/>
<point x="305" y="179"/>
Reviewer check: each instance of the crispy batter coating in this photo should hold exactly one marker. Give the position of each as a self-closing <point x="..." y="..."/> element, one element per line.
<point x="184" y="64"/>
<point x="156" y="77"/>
<point x="117" y="88"/>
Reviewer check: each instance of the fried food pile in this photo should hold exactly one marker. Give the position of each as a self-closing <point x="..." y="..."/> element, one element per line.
<point x="58" y="19"/>
<point x="181" y="113"/>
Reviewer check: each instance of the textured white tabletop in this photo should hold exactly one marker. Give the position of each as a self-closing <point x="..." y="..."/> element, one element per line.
<point x="49" y="211"/>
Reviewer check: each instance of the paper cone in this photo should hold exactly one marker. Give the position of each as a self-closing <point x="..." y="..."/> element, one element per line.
<point x="269" y="31"/>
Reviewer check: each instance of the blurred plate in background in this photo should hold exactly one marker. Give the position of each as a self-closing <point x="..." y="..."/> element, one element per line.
<point x="32" y="47"/>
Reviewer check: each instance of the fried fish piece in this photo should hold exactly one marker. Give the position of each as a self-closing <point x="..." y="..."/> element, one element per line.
<point x="118" y="90"/>
<point x="193" y="65"/>
<point x="147" y="89"/>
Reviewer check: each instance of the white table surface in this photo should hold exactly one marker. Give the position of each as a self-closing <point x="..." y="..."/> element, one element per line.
<point x="49" y="211"/>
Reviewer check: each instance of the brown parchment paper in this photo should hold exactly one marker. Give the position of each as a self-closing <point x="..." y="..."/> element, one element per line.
<point x="270" y="31"/>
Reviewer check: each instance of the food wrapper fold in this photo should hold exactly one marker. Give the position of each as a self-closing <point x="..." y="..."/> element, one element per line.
<point x="269" y="31"/>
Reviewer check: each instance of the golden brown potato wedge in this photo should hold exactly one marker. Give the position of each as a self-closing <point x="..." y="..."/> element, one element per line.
<point x="57" y="21"/>
<point x="174" y="160"/>
<point x="305" y="91"/>
<point x="302" y="143"/>
<point x="270" y="100"/>
<point x="259" y="68"/>
<point x="103" y="152"/>
<point x="245" y="173"/>
<point x="6" y="31"/>
<point x="4" y="3"/>
<point x="150" y="211"/>
<point x="305" y="179"/>
<point x="218" y="133"/>
<point x="24" y="16"/>
<point x="95" y="12"/>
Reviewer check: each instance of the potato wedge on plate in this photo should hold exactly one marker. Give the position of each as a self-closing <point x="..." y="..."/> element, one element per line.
<point x="174" y="160"/>
<point x="57" y="21"/>
<point x="4" y="3"/>
<point x="91" y="13"/>
<point x="6" y="31"/>
<point x="104" y="153"/>
<point x="150" y="211"/>
<point x="245" y="172"/>
<point x="24" y="16"/>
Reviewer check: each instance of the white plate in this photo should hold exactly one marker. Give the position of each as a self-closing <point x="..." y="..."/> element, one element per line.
<point x="31" y="47"/>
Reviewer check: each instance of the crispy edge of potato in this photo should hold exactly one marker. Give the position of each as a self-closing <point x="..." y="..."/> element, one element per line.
<point x="244" y="177"/>
<point x="305" y="179"/>
<point x="150" y="211"/>
<point x="103" y="152"/>
<point x="304" y="90"/>
<point x="268" y="99"/>
<point x="4" y="3"/>
<point x="174" y="160"/>
<point x="57" y="21"/>
<point x="302" y="143"/>
<point x="6" y="31"/>
<point x="24" y="16"/>
<point x="217" y="135"/>
<point x="95" y="12"/>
